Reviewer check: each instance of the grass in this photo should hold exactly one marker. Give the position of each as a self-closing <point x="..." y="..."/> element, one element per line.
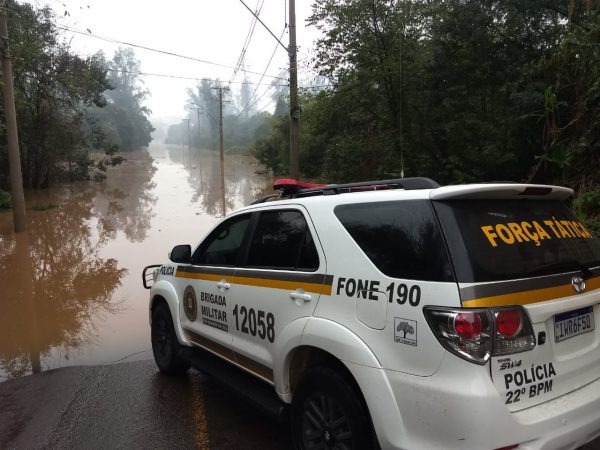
<point x="44" y="206"/>
<point x="5" y="200"/>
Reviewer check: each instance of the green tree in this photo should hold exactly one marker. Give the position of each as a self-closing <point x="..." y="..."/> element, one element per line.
<point x="123" y="121"/>
<point x="52" y="88"/>
<point x="205" y="97"/>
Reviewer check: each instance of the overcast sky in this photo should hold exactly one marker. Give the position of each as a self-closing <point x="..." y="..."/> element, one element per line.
<point x="211" y="30"/>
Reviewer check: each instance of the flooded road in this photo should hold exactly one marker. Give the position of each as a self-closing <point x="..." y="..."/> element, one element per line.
<point x="79" y="299"/>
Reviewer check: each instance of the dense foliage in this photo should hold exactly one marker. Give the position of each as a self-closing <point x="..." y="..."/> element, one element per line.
<point x="123" y="121"/>
<point x="456" y="90"/>
<point x="58" y="99"/>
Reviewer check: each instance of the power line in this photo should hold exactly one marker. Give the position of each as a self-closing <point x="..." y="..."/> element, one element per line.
<point x="181" y="77"/>
<point x="266" y="68"/>
<point x="273" y="100"/>
<point x="143" y="47"/>
<point x="247" y="41"/>
<point x="266" y="27"/>
<point x="267" y="91"/>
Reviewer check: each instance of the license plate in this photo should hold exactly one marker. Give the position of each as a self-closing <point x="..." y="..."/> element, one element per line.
<point x="573" y="323"/>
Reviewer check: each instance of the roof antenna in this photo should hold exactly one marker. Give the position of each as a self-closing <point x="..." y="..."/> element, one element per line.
<point x="400" y="105"/>
<point x="401" y="163"/>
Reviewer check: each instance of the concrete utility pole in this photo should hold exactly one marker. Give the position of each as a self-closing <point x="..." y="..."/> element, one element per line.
<point x="221" y="145"/>
<point x="14" y="159"/>
<point x="188" y="135"/>
<point x="294" y="108"/>
<point x="198" y="125"/>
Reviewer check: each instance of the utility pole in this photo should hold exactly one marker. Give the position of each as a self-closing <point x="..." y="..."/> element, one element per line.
<point x="23" y="268"/>
<point x="294" y="108"/>
<point x="198" y="125"/>
<point x="221" y="146"/>
<point x="188" y="135"/>
<point x="14" y="159"/>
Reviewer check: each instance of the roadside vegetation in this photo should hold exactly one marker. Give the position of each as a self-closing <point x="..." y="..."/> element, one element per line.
<point x="69" y="106"/>
<point x="459" y="91"/>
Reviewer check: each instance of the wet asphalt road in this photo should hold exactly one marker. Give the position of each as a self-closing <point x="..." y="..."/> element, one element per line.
<point x="130" y="405"/>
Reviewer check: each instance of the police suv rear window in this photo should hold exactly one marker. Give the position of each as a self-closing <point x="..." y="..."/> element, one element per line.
<point x="282" y="240"/>
<point x="402" y="238"/>
<point x="493" y="240"/>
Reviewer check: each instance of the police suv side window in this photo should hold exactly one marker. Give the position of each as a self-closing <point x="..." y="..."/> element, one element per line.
<point x="282" y="240"/>
<point x="222" y="246"/>
<point x="402" y="238"/>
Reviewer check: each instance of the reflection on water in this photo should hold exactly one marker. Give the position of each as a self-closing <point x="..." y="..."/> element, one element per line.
<point x="126" y="203"/>
<point x="54" y="285"/>
<point x="242" y="182"/>
<point x="71" y="292"/>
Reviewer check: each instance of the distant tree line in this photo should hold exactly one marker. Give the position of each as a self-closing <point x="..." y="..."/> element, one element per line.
<point x="68" y="106"/>
<point x="242" y="124"/>
<point x="457" y="90"/>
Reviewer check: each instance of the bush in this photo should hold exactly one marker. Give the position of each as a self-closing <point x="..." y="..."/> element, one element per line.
<point x="587" y="208"/>
<point x="5" y="200"/>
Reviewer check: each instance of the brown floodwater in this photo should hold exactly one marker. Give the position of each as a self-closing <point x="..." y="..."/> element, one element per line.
<point x="71" y="290"/>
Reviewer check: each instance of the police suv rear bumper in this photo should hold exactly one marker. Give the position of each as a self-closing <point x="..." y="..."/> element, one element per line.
<point x="459" y="408"/>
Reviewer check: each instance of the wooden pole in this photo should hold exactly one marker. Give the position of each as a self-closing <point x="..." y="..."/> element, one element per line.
<point x="221" y="149"/>
<point x="10" y="115"/>
<point x="294" y="108"/>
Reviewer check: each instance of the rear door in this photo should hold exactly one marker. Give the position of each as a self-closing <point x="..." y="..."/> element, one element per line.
<point x="536" y="253"/>
<point x="280" y="282"/>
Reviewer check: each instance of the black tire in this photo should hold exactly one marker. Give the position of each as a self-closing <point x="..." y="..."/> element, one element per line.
<point x="327" y="413"/>
<point x="165" y="346"/>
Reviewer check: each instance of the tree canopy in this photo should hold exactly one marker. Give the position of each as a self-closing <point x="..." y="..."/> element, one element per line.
<point x="457" y="90"/>
<point x="69" y="106"/>
<point x="123" y="121"/>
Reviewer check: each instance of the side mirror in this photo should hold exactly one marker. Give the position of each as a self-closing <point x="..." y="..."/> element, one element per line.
<point x="181" y="254"/>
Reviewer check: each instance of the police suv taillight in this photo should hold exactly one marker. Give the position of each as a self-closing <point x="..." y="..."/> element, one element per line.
<point x="475" y="334"/>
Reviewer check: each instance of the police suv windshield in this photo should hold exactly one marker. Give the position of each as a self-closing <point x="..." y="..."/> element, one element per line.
<point x="493" y="240"/>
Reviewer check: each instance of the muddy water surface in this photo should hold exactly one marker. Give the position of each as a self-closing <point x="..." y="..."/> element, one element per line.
<point x="71" y="291"/>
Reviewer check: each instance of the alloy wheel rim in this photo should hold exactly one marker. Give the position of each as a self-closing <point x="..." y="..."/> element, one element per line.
<point x="325" y="424"/>
<point x="161" y="338"/>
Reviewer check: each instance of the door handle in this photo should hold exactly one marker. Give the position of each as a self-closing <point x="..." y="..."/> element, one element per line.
<point x="300" y="297"/>
<point x="223" y="285"/>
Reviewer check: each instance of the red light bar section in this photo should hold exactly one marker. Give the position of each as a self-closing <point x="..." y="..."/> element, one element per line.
<point x="290" y="184"/>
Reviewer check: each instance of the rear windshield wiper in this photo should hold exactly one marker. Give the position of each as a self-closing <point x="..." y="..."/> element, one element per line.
<point x="569" y="265"/>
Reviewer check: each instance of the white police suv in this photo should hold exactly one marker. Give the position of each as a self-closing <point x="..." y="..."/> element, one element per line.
<point x="398" y="313"/>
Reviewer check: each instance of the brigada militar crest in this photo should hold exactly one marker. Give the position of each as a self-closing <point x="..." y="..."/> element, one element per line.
<point x="190" y="305"/>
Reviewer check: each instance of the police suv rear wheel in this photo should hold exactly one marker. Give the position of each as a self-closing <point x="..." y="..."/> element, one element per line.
<point x="164" y="342"/>
<point x="327" y="414"/>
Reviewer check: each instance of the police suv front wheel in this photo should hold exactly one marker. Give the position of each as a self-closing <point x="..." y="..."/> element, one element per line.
<point x="327" y="414"/>
<point x="164" y="342"/>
